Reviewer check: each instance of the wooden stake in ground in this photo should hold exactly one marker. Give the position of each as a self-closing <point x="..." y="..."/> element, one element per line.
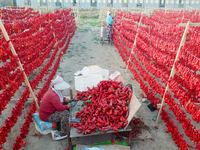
<point x="182" y="17"/>
<point x="68" y="135"/>
<point x="134" y="44"/>
<point x="19" y="63"/>
<point x="195" y="12"/>
<point x="173" y="69"/>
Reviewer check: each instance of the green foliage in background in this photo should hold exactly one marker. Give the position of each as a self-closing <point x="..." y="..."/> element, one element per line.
<point x="83" y="16"/>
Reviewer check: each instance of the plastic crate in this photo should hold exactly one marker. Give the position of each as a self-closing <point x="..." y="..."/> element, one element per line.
<point x="103" y="31"/>
<point x="103" y="72"/>
<point x="82" y="82"/>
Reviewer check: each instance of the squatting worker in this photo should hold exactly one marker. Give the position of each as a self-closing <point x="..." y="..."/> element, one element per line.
<point x="109" y="21"/>
<point x="52" y="108"/>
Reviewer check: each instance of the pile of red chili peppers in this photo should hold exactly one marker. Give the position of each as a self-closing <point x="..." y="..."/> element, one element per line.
<point x="106" y="107"/>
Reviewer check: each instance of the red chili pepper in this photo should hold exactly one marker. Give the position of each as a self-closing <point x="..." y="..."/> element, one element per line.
<point x="115" y="112"/>
<point x="125" y="108"/>
<point x="132" y="78"/>
<point x="115" y="129"/>
<point x="155" y="127"/>
<point x="110" y="96"/>
<point x="24" y="143"/>
<point x="127" y="113"/>
<point x="116" y="94"/>
<point x="79" y="131"/>
<point x="1" y="148"/>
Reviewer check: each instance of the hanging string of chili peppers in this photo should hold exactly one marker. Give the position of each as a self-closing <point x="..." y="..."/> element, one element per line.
<point x="29" y="68"/>
<point x="28" y="54"/>
<point x="176" y="17"/>
<point x="29" y="32"/>
<point x="173" y="129"/>
<point x="63" y="33"/>
<point x="7" y="14"/>
<point x="150" y="95"/>
<point x="28" y="119"/>
<point x="150" y="43"/>
<point x="181" y="116"/>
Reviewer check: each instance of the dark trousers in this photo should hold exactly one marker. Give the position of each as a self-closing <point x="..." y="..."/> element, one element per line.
<point x="60" y="116"/>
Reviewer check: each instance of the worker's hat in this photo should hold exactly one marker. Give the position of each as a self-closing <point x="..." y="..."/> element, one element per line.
<point x="108" y="13"/>
<point x="59" y="84"/>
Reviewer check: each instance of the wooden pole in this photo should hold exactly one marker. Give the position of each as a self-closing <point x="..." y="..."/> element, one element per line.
<point x="159" y="105"/>
<point x="77" y="14"/>
<point x="68" y="135"/>
<point x="130" y="133"/>
<point x="70" y="93"/>
<point x="19" y="63"/>
<point x="121" y="23"/>
<point x="195" y="12"/>
<point x="182" y="17"/>
<point x="134" y="44"/>
<point x="150" y="33"/>
<point x="173" y="69"/>
<point x="191" y="24"/>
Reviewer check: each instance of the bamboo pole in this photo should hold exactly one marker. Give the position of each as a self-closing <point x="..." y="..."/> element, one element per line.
<point x="150" y="34"/>
<point x="134" y="44"/>
<point x="68" y="135"/>
<point x="173" y="68"/>
<point x="19" y="63"/>
<point x="191" y="24"/>
<point x="77" y="14"/>
<point x="182" y="17"/>
<point x="159" y="105"/>
<point x="195" y="12"/>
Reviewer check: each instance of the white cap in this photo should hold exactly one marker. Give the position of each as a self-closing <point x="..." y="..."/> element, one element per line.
<point x="108" y="13"/>
<point x="59" y="84"/>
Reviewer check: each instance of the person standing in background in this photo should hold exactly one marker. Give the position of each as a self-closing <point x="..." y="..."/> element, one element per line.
<point x="109" y="21"/>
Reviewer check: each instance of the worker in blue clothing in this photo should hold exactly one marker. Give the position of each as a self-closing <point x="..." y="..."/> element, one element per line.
<point x="109" y="18"/>
<point x="109" y="21"/>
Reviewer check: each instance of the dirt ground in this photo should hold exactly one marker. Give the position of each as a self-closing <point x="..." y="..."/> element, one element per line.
<point x="86" y="50"/>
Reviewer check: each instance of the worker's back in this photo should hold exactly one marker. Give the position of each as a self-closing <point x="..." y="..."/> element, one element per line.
<point x="109" y="20"/>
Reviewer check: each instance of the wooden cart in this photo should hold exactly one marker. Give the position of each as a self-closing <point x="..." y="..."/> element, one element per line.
<point x="104" y="36"/>
<point x="133" y="107"/>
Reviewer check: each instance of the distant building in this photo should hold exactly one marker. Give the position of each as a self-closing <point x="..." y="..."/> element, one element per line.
<point x="90" y="4"/>
<point x="6" y="2"/>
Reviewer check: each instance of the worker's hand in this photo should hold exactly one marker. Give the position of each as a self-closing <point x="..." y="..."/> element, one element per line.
<point x="71" y="100"/>
<point x="65" y="99"/>
<point x="69" y="105"/>
<point x="73" y="103"/>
